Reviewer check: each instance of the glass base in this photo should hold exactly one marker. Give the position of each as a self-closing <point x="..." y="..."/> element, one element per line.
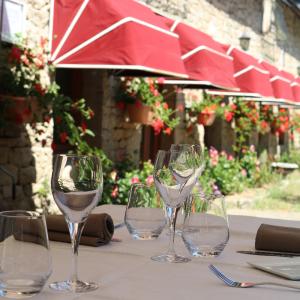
<point x="171" y="258"/>
<point x="74" y="286"/>
<point x="18" y="294"/>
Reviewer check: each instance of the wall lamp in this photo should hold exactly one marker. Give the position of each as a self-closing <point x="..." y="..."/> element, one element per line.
<point x="245" y="41"/>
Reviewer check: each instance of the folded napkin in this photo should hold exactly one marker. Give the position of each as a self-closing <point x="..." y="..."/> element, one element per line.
<point x="98" y="230"/>
<point x="278" y="238"/>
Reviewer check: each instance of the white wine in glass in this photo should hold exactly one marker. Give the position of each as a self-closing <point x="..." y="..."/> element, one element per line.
<point x="76" y="184"/>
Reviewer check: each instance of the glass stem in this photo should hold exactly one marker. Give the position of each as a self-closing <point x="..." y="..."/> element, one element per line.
<point x="75" y="230"/>
<point x="172" y="216"/>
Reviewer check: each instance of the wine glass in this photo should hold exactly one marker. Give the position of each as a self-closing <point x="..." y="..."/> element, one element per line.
<point x="174" y="179"/>
<point x="199" y="167"/>
<point x="76" y="184"/>
<point x="199" y="156"/>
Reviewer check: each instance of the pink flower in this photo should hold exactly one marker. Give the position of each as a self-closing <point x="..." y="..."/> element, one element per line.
<point x="214" y="162"/>
<point x="213" y="153"/>
<point x="155" y="92"/>
<point x="244" y="172"/>
<point x="149" y="180"/>
<point x="160" y="80"/>
<point x="252" y="148"/>
<point x="157" y="125"/>
<point x="135" y="180"/>
<point x="230" y="157"/>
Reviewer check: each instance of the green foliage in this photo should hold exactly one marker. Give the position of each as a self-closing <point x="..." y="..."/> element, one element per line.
<point x="118" y="179"/>
<point x="232" y="175"/>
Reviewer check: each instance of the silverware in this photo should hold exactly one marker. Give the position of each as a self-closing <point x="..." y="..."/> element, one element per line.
<point x="238" y="284"/>
<point x="268" y="253"/>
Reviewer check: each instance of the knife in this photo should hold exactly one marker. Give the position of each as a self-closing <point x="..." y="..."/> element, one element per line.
<point x="268" y="253"/>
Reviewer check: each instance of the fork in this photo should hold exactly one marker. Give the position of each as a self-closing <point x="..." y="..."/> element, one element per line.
<point x="238" y="284"/>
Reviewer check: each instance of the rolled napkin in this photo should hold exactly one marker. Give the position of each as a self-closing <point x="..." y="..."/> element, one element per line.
<point x="278" y="238"/>
<point x="98" y="230"/>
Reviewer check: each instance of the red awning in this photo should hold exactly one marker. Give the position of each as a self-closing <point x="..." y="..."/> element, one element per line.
<point x="206" y="62"/>
<point x="280" y="83"/>
<point x="110" y="34"/>
<point x="252" y="79"/>
<point x="296" y="89"/>
<point x="294" y="85"/>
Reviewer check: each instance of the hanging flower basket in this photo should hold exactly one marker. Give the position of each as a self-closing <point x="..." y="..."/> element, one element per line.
<point x="206" y="118"/>
<point x="141" y="114"/>
<point x="20" y="109"/>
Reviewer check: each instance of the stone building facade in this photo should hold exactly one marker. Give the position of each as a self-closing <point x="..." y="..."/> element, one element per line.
<point x="274" y="29"/>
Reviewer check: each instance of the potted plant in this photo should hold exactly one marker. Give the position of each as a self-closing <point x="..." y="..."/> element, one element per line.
<point x="23" y="92"/>
<point x="266" y="119"/>
<point x="206" y="109"/>
<point x="145" y="104"/>
<point x="281" y="122"/>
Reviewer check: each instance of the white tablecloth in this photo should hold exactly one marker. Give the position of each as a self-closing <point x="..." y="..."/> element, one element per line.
<point x="125" y="271"/>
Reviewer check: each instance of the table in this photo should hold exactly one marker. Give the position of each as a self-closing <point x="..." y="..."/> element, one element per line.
<point x="125" y="271"/>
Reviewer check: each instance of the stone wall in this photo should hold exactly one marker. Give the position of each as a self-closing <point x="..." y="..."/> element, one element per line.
<point x="17" y="159"/>
<point x="120" y="139"/>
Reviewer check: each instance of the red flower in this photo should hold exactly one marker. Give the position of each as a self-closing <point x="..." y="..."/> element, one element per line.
<point x="138" y="103"/>
<point x="228" y="116"/>
<point x="53" y="146"/>
<point x="83" y="127"/>
<point x="157" y="125"/>
<point x="149" y="180"/>
<point x="165" y="105"/>
<point x="25" y="60"/>
<point x="47" y="118"/>
<point x="168" y="131"/>
<point x="135" y="180"/>
<point x="91" y="113"/>
<point x="63" y="136"/>
<point x="58" y="119"/>
<point x="15" y="54"/>
<point x="233" y="107"/>
<point x="121" y="105"/>
<point x="115" y="192"/>
<point x="39" y="89"/>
